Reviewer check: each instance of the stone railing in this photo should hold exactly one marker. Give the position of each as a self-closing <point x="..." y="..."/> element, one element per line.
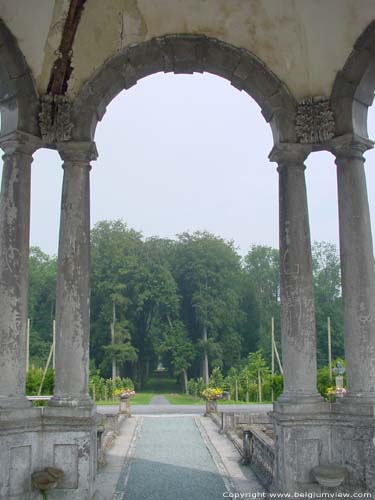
<point x="259" y="453"/>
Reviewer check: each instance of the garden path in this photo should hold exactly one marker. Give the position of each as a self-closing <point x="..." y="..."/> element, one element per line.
<point x="173" y="457"/>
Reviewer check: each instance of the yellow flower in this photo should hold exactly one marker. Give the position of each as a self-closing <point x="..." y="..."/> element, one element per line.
<point x="212" y="393"/>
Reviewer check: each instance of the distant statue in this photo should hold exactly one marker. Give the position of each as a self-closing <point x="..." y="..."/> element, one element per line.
<point x="339" y="370"/>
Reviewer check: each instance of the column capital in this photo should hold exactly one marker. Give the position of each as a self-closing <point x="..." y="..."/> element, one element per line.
<point x="77" y="152"/>
<point x="350" y="146"/>
<point x="19" y="142"/>
<point x="285" y="153"/>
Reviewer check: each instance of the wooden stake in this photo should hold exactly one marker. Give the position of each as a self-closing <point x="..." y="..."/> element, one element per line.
<point x="278" y="358"/>
<point x="54" y="344"/>
<point x="329" y="348"/>
<point x="45" y="370"/>
<point x="114" y="374"/>
<point x="272" y="355"/>
<point x="28" y="345"/>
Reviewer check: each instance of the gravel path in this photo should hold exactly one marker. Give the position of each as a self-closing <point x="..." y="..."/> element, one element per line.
<point x="171" y="461"/>
<point x="159" y="400"/>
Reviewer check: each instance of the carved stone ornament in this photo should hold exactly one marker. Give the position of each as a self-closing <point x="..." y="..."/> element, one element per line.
<point x="54" y="118"/>
<point x="315" y="122"/>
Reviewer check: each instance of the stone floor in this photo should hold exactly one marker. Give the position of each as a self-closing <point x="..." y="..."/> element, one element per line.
<point x="172" y="457"/>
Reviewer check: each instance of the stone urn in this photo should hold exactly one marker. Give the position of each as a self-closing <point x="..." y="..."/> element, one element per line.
<point x="211" y="406"/>
<point x="46" y="479"/>
<point x="329" y="475"/>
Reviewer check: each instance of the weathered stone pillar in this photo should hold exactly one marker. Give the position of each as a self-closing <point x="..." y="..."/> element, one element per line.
<point x="72" y="295"/>
<point x="14" y="265"/>
<point x="357" y="269"/>
<point x="301" y="421"/>
<point x="298" y="334"/>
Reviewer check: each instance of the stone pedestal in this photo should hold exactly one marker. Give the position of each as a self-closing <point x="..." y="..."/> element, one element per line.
<point x="211" y="407"/>
<point x="41" y="437"/>
<point x="302" y="434"/>
<point x="125" y="407"/>
<point x="352" y="441"/>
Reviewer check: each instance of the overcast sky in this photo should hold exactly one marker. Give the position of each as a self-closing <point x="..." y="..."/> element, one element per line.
<point x="184" y="153"/>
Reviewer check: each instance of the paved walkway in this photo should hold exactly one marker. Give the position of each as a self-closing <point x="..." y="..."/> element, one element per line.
<point x="172" y="458"/>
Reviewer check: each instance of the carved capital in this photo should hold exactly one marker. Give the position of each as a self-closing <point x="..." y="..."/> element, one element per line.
<point x="77" y="153"/>
<point x="19" y="142"/>
<point x="289" y="155"/>
<point x="54" y="118"/>
<point x="315" y="121"/>
<point x="350" y="146"/>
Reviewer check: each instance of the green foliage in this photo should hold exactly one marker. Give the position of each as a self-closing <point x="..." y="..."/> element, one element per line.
<point x="278" y="385"/>
<point x="103" y="389"/>
<point x="42" y="289"/>
<point x="216" y="378"/>
<point x="328" y="300"/>
<point x="34" y="378"/>
<point x="180" y="302"/>
<point x="324" y="381"/>
<point x="196" y="387"/>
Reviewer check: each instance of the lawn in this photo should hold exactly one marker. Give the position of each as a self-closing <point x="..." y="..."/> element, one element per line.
<point x="183" y="399"/>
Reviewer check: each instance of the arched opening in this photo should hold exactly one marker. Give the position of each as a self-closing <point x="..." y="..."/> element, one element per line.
<point x="188" y="153"/>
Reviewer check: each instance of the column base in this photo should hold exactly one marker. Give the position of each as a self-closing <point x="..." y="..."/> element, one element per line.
<point x="71" y="401"/>
<point x="302" y="433"/>
<point x="296" y="402"/>
<point x="14" y="402"/>
<point x="352" y="438"/>
<point x="354" y="406"/>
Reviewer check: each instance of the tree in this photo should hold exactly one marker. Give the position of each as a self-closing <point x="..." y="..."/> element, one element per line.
<point x="179" y="347"/>
<point x="262" y="268"/>
<point x="42" y="293"/>
<point x="328" y="300"/>
<point x="208" y="273"/>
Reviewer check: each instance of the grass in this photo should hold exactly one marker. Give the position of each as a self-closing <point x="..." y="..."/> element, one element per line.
<point x="232" y="402"/>
<point x="183" y="399"/>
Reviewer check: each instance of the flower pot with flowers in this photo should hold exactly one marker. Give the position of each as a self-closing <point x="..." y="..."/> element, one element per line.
<point x="124" y="394"/>
<point x="211" y="395"/>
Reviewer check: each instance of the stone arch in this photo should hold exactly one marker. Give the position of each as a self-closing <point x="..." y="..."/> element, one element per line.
<point x="185" y="54"/>
<point x="18" y="95"/>
<point x="353" y="90"/>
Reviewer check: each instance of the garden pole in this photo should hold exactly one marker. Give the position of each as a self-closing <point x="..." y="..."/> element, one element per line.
<point x="272" y="355"/>
<point x="54" y="344"/>
<point x="45" y="370"/>
<point x="329" y="349"/>
<point x="28" y="346"/>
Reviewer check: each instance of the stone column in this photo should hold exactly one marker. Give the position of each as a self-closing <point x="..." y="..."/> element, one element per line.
<point x="14" y="265"/>
<point x="298" y="333"/>
<point x="73" y="293"/>
<point x="357" y="268"/>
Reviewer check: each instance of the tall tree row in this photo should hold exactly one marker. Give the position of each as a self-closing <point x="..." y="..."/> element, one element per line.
<point x="188" y="304"/>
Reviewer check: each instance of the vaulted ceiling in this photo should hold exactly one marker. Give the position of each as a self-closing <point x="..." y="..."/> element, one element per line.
<point x="304" y="42"/>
